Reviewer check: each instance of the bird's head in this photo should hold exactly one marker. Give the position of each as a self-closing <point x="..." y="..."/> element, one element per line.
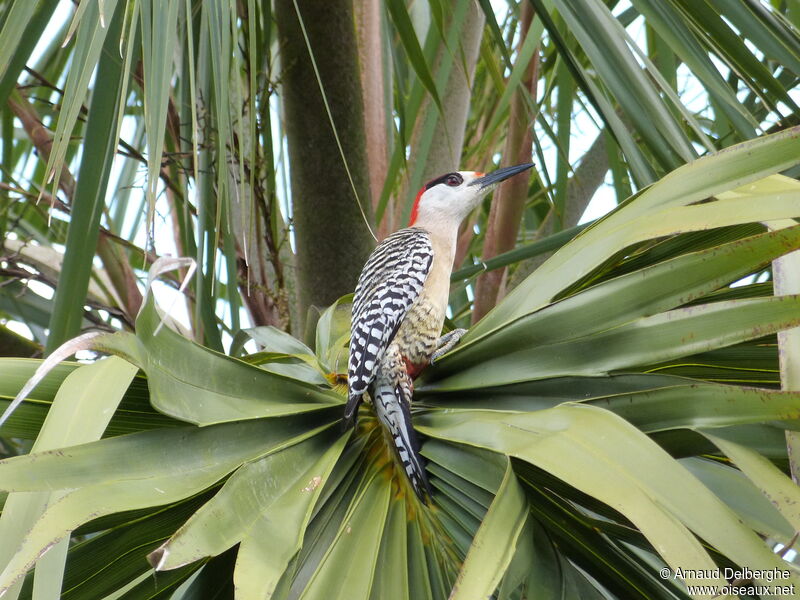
<point x="453" y="196"/>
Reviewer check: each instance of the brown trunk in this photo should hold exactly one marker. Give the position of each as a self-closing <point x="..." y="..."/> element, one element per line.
<point x="373" y="88"/>
<point x="40" y="137"/>
<point x="332" y="238"/>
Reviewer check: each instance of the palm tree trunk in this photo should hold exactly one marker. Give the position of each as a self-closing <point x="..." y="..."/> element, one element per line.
<point x="329" y="207"/>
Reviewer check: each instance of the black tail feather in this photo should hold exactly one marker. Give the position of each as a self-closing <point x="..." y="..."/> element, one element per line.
<point x="350" y="418"/>
<point x="392" y="404"/>
<point x="414" y="463"/>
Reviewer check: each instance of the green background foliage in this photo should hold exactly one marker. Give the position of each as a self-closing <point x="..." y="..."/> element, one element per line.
<point x="618" y="406"/>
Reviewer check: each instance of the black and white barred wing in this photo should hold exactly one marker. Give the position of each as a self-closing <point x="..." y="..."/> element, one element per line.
<point x="389" y="284"/>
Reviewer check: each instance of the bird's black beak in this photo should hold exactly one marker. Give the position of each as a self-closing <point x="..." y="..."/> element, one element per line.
<point x="500" y="175"/>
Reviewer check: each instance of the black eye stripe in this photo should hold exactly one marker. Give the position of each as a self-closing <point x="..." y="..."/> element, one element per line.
<point x="443" y="179"/>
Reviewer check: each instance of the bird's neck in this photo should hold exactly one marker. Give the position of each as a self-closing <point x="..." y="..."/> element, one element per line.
<point x="443" y="229"/>
<point x="444" y="236"/>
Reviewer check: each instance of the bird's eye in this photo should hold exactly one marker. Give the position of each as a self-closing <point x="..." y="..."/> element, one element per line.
<point x="454" y="180"/>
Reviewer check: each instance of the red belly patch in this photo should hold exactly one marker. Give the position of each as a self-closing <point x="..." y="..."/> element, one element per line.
<point x="414" y="369"/>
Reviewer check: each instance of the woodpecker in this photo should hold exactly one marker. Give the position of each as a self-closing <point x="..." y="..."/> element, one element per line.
<point x="399" y="308"/>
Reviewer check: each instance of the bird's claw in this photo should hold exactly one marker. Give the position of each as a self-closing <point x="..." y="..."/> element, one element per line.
<point x="446" y="343"/>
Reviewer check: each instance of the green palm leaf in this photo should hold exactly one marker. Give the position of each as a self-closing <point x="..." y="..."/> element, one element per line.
<point x="625" y="408"/>
<point x="568" y="441"/>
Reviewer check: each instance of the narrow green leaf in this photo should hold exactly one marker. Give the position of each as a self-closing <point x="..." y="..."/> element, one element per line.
<point x="150" y="587"/>
<point x="480" y="468"/>
<point x="338" y="575"/>
<point x="738" y="492"/>
<point x="735" y="52"/>
<point x="494" y="29"/>
<point x="647" y="340"/>
<point x="90" y="192"/>
<point x="17" y="371"/>
<point x="393" y="574"/>
<point x="640" y="167"/>
<point x="85" y="403"/>
<point x="21" y="31"/>
<point x="548" y="244"/>
<point x="668" y="88"/>
<point x="520" y="565"/>
<point x="212" y="580"/>
<point x="303" y="368"/>
<point x="704" y="405"/>
<point x="273" y="339"/>
<point x="49" y="574"/>
<point x="133" y="414"/>
<point x="218" y="22"/>
<point x="284" y="354"/>
<point x="533" y="38"/>
<point x="765" y="31"/>
<point x="337" y="496"/>
<point x="781" y="491"/>
<point x="604" y="456"/>
<point x="419" y="584"/>
<point x="659" y="206"/>
<point x="198" y="385"/>
<point x="267" y="501"/>
<point x="547" y="393"/>
<point x="495" y="542"/>
<point x="565" y="93"/>
<point x="648" y="291"/>
<point x="333" y="333"/>
<point x="80" y="413"/>
<point x="228" y="517"/>
<point x="277" y="535"/>
<point x="89" y="43"/>
<point x="19" y="14"/>
<point x="174" y="468"/>
<point x="651" y="402"/>
<point x="159" y="454"/>
<point x="408" y="37"/>
<point x="681" y="38"/>
<point x="104" y="563"/>
<point x="544" y="579"/>
<point x="159" y="23"/>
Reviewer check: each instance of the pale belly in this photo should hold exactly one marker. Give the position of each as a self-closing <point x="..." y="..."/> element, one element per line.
<point x="418" y="335"/>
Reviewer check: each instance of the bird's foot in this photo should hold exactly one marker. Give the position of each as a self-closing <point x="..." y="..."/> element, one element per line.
<point x="446" y="343"/>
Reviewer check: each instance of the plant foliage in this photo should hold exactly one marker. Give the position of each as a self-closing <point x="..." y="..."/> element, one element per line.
<point x="619" y="407"/>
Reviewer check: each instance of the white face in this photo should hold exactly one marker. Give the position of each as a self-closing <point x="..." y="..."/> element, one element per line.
<point x="448" y="199"/>
<point x="451" y="197"/>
